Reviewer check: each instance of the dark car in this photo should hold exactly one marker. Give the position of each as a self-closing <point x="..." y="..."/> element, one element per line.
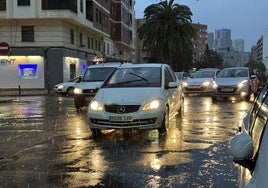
<point x="249" y="148"/>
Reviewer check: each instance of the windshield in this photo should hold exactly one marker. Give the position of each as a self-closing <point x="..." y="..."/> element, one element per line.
<point x="97" y="74"/>
<point x="203" y="74"/>
<point x="179" y="75"/>
<point x="135" y="77"/>
<point x="227" y="73"/>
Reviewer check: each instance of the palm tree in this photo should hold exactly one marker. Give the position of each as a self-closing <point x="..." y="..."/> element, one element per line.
<point x="167" y="30"/>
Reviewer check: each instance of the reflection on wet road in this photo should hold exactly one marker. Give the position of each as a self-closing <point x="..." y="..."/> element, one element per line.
<point x="45" y="143"/>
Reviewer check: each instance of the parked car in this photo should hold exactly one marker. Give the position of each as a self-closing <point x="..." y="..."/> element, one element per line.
<point x="249" y="148"/>
<point x="234" y="82"/>
<point x="136" y="96"/>
<point x="92" y="80"/>
<point x="200" y="82"/>
<point x="67" y="88"/>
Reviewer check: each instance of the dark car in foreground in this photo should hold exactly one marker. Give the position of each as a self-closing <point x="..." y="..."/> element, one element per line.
<point x="249" y="147"/>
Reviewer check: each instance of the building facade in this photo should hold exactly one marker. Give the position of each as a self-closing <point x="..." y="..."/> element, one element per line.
<point x="210" y="38"/>
<point x="52" y="41"/>
<point x="200" y="42"/>
<point x="260" y="51"/>
<point x="238" y="45"/>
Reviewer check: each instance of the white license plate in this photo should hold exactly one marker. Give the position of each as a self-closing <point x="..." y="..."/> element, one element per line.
<point x="120" y="118"/>
<point x="227" y="89"/>
<point x="194" y="87"/>
<point x="88" y="98"/>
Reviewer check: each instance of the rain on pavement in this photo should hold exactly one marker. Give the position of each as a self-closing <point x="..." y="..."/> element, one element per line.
<point x="44" y="142"/>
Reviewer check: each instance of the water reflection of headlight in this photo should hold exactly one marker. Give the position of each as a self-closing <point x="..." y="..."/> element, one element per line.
<point x="155" y="164"/>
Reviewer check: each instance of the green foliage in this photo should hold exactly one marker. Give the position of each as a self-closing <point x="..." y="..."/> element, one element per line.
<point x="256" y="65"/>
<point x="211" y="59"/>
<point x="167" y="32"/>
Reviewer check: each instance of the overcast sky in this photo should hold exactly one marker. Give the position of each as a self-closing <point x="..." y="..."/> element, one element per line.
<point x="247" y="19"/>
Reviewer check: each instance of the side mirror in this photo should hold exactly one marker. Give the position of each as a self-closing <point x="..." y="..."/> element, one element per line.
<point x="241" y="146"/>
<point x="253" y="76"/>
<point x="171" y="85"/>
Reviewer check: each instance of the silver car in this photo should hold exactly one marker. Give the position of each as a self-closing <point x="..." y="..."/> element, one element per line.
<point x="234" y="82"/>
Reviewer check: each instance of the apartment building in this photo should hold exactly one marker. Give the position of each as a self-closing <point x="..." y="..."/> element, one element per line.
<point x="52" y="41"/>
<point x="199" y="42"/>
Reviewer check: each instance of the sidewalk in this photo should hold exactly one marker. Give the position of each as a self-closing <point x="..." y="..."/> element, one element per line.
<point x="11" y="95"/>
<point x="23" y="92"/>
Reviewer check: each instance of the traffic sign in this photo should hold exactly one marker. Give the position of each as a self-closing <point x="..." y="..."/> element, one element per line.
<point x="4" y="48"/>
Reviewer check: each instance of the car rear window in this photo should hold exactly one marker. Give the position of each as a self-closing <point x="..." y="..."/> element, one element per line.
<point x="227" y="73"/>
<point x="97" y="74"/>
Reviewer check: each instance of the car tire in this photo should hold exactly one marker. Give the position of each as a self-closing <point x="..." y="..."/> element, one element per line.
<point x="214" y="99"/>
<point x="95" y="132"/>
<point x="70" y="91"/>
<point x="165" y="123"/>
<point x="247" y="98"/>
<point x="77" y="104"/>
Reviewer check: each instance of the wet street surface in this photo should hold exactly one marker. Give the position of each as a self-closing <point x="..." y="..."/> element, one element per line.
<point x="44" y="142"/>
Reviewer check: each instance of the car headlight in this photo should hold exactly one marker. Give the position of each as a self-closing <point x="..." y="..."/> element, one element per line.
<point x="154" y="104"/>
<point x="242" y="84"/>
<point x="214" y="85"/>
<point x="60" y="86"/>
<point x="207" y="83"/>
<point x="95" y="105"/>
<point x="78" y="91"/>
<point x="185" y="84"/>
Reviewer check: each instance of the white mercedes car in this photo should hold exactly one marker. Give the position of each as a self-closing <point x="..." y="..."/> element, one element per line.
<point x="136" y="96"/>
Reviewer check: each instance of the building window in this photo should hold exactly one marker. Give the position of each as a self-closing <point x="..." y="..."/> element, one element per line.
<point x="96" y="45"/>
<point x="88" y="42"/>
<point x="92" y="43"/>
<point x="97" y="15"/>
<point x="81" y="39"/>
<point x="81" y="6"/>
<point x="24" y="3"/>
<point x="3" y="5"/>
<point x="72" y="36"/>
<point x="27" y="33"/>
<point x="60" y="5"/>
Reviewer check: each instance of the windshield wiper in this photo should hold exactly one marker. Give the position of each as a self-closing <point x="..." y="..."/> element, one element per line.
<point x="127" y="82"/>
<point x="140" y="77"/>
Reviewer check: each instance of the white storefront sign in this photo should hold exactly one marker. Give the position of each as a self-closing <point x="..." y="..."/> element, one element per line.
<point x="24" y="71"/>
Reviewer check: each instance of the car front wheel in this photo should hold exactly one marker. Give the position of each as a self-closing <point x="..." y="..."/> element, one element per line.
<point x="70" y="91"/>
<point x="214" y="99"/>
<point x="165" y="123"/>
<point x="95" y="132"/>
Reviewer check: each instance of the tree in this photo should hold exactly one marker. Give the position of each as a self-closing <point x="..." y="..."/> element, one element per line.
<point x="167" y="32"/>
<point x="211" y="59"/>
<point x="256" y="65"/>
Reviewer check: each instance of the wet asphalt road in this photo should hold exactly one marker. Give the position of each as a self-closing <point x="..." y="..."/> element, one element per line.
<point x="44" y="142"/>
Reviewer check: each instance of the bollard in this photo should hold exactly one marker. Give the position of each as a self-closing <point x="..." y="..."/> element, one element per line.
<point x="19" y="91"/>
